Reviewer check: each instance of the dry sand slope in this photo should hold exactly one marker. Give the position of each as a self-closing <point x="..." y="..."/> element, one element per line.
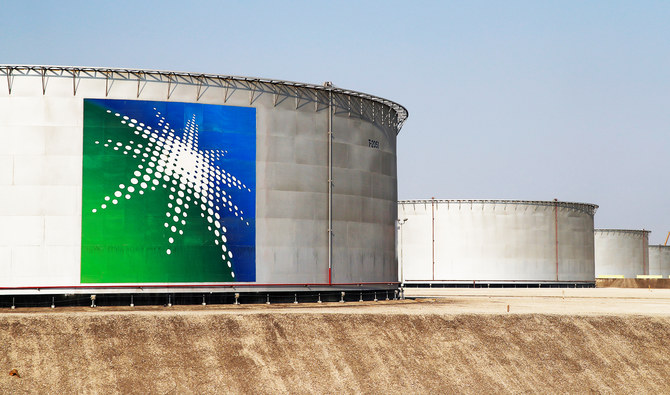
<point x="360" y="348"/>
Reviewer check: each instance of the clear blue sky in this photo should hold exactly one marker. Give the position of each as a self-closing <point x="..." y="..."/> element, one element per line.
<point x="507" y="99"/>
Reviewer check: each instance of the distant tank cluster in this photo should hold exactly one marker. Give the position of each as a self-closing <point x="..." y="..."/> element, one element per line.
<point x="517" y="243"/>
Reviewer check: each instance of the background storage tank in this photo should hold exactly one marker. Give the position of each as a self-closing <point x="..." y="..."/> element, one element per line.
<point x="115" y="180"/>
<point x="495" y="241"/>
<point x="659" y="260"/>
<point x="621" y="252"/>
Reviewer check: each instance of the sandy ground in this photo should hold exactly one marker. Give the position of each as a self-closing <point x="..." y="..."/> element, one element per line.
<point x="570" y="301"/>
<point x="448" y="340"/>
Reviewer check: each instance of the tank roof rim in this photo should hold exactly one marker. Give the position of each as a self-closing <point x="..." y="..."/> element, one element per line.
<point x="621" y="230"/>
<point x="500" y="201"/>
<point x="401" y="110"/>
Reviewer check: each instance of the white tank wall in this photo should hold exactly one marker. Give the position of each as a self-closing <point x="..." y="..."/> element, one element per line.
<point x="621" y="252"/>
<point x="41" y="123"/>
<point x="659" y="260"/>
<point x="496" y="241"/>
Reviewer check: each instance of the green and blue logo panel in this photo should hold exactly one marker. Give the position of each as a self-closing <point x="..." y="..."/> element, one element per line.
<point x="169" y="192"/>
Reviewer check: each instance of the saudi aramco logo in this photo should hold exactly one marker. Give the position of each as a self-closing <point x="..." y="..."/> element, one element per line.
<point x="168" y="192"/>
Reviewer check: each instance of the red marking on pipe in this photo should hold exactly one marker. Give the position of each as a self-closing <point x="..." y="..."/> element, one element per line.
<point x="197" y="285"/>
<point x="330" y="276"/>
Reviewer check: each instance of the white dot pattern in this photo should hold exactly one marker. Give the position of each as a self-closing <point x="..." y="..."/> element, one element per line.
<point x="176" y="163"/>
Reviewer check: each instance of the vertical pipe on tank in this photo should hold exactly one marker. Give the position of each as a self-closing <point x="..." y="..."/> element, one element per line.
<point x="400" y="223"/>
<point x="330" y="184"/>
<point x="645" y="251"/>
<point x="556" y="232"/>
<point x="432" y="209"/>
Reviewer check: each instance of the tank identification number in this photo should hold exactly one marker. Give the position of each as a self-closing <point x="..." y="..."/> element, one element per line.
<point x="373" y="143"/>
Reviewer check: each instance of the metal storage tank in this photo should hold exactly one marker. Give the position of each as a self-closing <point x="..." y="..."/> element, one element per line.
<point x="119" y="180"/>
<point x="659" y="260"/>
<point x="495" y="241"/>
<point x="621" y="252"/>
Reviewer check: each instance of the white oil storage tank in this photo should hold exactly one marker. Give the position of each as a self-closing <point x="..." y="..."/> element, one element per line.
<point x="659" y="260"/>
<point x="495" y="241"/>
<point x="125" y="180"/>
<point x="621" y="252"/>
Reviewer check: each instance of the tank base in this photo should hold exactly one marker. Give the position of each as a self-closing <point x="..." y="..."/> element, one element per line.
<point x="170" y="299"/>
<point x="500" y="284"/>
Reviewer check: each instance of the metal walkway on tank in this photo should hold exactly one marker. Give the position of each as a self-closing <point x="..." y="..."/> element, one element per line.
<point x="193" y="299"/>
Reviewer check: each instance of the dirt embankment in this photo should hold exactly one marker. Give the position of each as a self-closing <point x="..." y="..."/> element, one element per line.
<point x="270" y="352"/>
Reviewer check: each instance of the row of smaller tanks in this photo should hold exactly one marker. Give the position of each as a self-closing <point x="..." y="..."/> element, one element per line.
<point x="515" y="241"/>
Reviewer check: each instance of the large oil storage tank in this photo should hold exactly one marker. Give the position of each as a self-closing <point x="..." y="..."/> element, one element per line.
<point x="495" y="241"/>
<point x="115" y="180"/>
<point x="659" y="260"/>
<point x="621" y="252"/>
